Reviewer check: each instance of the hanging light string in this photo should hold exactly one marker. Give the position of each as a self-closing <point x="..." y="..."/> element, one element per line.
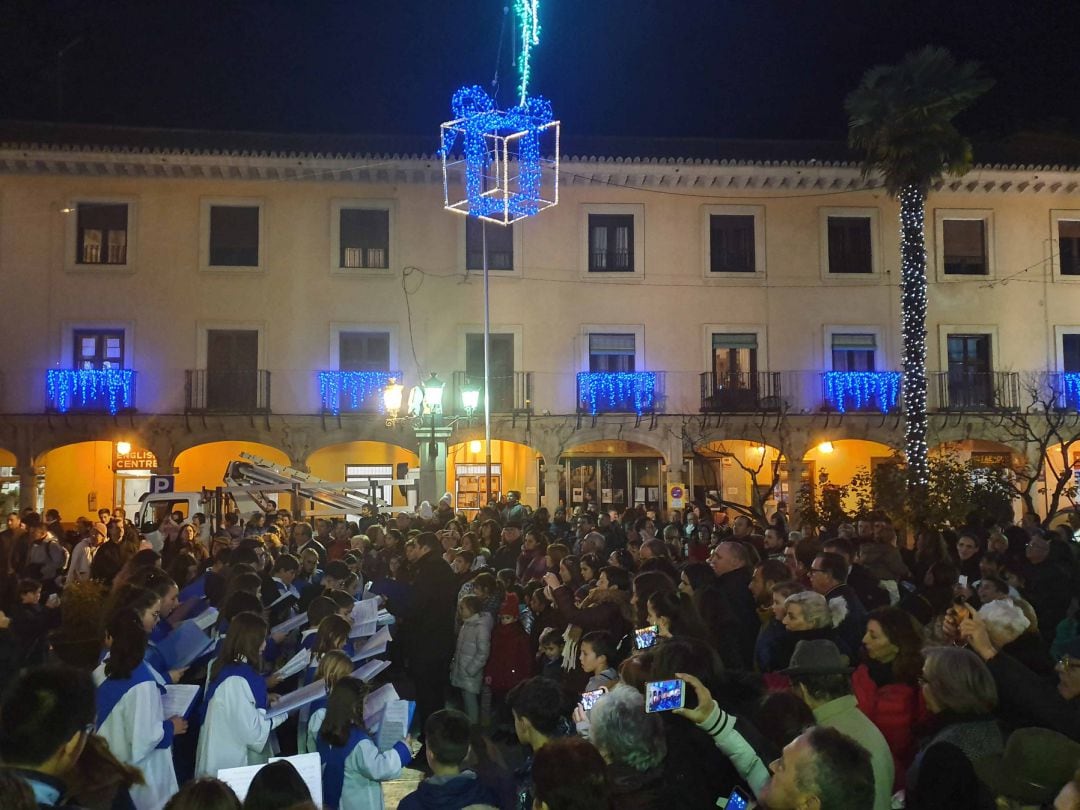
<point x="528" y="13"/>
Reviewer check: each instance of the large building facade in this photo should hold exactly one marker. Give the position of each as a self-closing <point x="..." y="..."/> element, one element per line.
<point x="687" y="312"/>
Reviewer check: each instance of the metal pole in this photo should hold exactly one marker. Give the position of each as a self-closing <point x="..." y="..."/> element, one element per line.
<point x="487" y="362"/>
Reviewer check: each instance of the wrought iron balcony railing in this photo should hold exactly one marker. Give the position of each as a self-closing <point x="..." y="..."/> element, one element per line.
<point x="90" y="390"/>
<point x="740" y="392"/>
<point x="619" y="391"/>
<point x="862" y="391"/>
<point x="231" y="391"/>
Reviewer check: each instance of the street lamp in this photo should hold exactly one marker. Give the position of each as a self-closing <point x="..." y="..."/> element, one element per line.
<point x="470" y="398"/>
<point x="392" y="399"/>
<point x="433" y="391"/>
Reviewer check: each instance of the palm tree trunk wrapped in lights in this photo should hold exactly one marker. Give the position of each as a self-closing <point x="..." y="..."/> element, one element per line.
<point x="901" y="121"/>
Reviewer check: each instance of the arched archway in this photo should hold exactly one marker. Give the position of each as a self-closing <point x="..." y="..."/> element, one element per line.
<point x="841" y="460"/>
<point x="514" y="466"/>
<point x="740" y="477"/>
<point x="203" y="465"/>
<point x="9" y="481"/>
<point x="612" y="474"/>
<point x="362" y="461"/>
<point x="81" y="477"/>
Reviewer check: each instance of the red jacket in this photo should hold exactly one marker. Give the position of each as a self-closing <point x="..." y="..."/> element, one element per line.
<point x="896" y="709"/>
<point x="510" y="660"/>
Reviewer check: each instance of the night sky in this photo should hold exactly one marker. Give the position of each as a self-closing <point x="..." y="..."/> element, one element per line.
<point x="686" y="68"/>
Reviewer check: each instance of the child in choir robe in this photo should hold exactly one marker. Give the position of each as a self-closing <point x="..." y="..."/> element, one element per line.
<point x="130" y="716"/>
<point x="235" y="730"/>
<point x="353" y="766"/>
<point x="333" y="635"/>
<point x="333" y="666"/>
<point x="147" y="606"/>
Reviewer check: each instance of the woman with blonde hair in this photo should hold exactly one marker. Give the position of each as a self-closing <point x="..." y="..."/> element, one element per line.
<point x="808" y="616"/>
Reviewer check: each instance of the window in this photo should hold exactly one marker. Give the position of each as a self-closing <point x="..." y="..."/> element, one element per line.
<point x="611" y="352"/>
<point x="1069" y="246"/>
<point x="500" y="245"/>
<point x="101" y="233"/>
<point x="964" y="247"/>
<point x="734" y="358"/>
<point x="362" y="476"/>
<point x="502" y="368"/>
<point x="98" y="348"/>
<point x="363" y="351"/>
<point x="234" y="236"/>
<point x="850" y="245"/>
<point x="1070" y="352"/>
<point x="853" y="352"/>
<point x="731" y="243"/>
<point x="365" y="238"/>
<point x="611" y="243"/>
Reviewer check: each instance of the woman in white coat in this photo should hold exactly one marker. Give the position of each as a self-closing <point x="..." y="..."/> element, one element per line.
<point x="130" y="716"/>
<point x="236" y="730"/>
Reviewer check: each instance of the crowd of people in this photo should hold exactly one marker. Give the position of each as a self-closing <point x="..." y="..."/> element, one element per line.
<point x="557" y="661"/>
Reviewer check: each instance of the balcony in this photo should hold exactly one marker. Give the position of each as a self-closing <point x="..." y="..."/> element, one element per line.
<point x="90" y="390"/>
<point x="619" y="391"/>
<point x="511" y="393"/>
<point x="975" y="390"/>
<point x="740" y="392"/>
<point x="861" y="391"/>
<point x="354" y="391"/>
<point x="232" y="391"/>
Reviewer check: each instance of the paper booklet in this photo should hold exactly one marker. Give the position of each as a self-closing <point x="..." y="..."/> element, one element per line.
<point x="309" y="766"/>
<point x="183" y="645"/>
<point x="178" y="698"/>
<point x="299" y="620"/>
<point x="384" y="618"/>
<point x="301" y="697"/>
<point x="207" y="619"/>
<point x="369" y="670"/>
<point x="387" y="716"/>
<point x="376" y="645"/>
<point x="364" y="619"/>
<point x="298" y="663"/>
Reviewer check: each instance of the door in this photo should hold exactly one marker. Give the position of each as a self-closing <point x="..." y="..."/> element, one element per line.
<point x="502" y="368"/>
<point x="232" y="370"/>
<point x="735" y="372"/>
<point x="970" y="381"/>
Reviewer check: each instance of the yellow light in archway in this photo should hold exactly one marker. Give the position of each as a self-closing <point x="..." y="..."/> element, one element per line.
<point x="826" y="447"/>
<point x="475" y="446"/>
<point x="758" y="448"/>
<point x="123" y="448"/>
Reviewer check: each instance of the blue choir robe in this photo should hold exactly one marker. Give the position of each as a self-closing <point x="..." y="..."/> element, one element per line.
<point x="130" y="718"/>
<point x="236" y="730"/>
<point x="352" y="772"/>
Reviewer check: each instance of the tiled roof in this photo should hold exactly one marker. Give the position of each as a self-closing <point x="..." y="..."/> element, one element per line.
<point x="1025" y="151"/>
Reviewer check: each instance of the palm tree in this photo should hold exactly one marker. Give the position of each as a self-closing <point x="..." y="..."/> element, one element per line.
<point x="900" y="118"/>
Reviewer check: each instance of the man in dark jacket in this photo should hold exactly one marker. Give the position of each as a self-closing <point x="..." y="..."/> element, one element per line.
<point x="731" y="562"/>
<point x="867" y="587"/>
<point x="1047" y="587"/>
<point x="506" y="555"/>
<point x="428" y="626"/>
<point x="828" y="576"/>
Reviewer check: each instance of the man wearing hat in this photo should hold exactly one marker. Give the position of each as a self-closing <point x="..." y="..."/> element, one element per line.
<point x="822" y="678"/>
<point x="1036" y="764"/>
<point x="83" y="554"/>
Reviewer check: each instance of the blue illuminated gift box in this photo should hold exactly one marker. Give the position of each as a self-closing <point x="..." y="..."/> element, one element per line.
<point x="493" y="160"/>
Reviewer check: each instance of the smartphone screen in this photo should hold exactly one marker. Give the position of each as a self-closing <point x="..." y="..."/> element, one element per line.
<point x="588" y="699"/>
<point x="738" y="800"/>
<point x="963" y="580"/>
<point x="663" y="696"/>
<point x="645" y="637"/>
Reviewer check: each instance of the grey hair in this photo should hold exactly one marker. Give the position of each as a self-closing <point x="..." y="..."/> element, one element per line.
<point x="624" y="733"/>
<point x="959" y="680"/>
<point x="817" y="611"/>
<point x="793" y="537"/>
<point x="1005" y="621"/>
